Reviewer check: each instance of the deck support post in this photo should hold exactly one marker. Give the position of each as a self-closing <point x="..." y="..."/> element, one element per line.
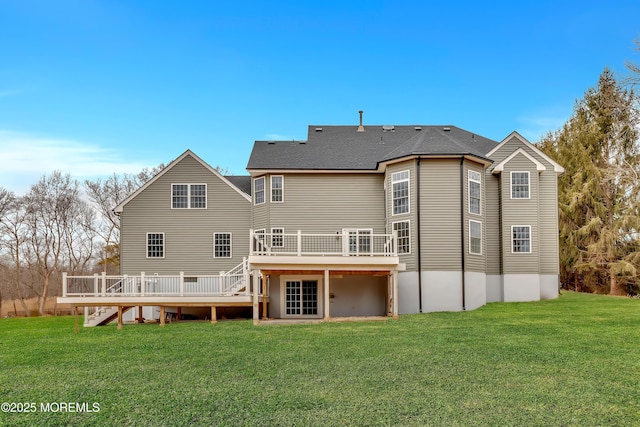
<point x="214" y="317"/>
<point x="162" y="315"/>
<point x="326" y="295"/>
<point x="75" y="323"/>
<point x="256" y="288"/>
<point x="140" y="319"/>
<point x="120" y="325"/>
<point x="395" y="294"/>
<point x="389" y="294"/>
<point x="179" y="313"/>
<point x="265" y="282"/>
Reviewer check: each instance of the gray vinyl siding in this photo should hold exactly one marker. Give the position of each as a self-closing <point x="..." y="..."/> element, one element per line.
<point x="440" y="214"/>
<point x="546" y="207"/>
<point x="260" y="213"/>
<point x="520" y="212"/>
<point x="474" y="262"/>
<point x="188" y="232"/>
<point x="327" y="203"/>
<point x="411" y="259"/>
<point x="492" y="223"/>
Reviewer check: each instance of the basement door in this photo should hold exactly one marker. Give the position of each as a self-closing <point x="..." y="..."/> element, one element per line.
<point x="302" y="298"/>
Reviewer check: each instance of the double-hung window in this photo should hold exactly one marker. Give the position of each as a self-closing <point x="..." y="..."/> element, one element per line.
<point x="155" y="245"/>
<point x="475" y="192"/>
<point x="400" y="192"/>
<point x="475" y="237"/>
<point x="277" y="237"/>
<point x="521" y="239"/>
<point x="403" y="230"/>
<point x="520" y="185"/>
<point x="277" y="189"/>
<point x="258" y="191"/>
<point x="222" y="245"/>
<point x="189" y="196"/>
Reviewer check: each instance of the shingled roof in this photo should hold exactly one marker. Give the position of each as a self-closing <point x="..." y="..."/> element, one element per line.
<point x="344" y="148"/>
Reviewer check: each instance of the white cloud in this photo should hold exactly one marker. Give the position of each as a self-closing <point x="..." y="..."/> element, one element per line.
<point x="538" y="124"/>
<point x="24" y="158"/>
<point x="277" y="137"/>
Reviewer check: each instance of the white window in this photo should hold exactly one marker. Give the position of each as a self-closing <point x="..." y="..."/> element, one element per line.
<point x="222" y="245"/>
<point x="277" y="188"/>
<point x="475" y="192"/>
<point x="521" y="239"/>
<point x="404" y="236"/>
<point x="359" y="241"/>
<point x="475" y="237"/>
<point x="301" y="297"/>
<point x="258" y="191"/>
<point x="520" y="185"/>
<point x="400" y="192"/>
<point x="189" y="196"/>
<point x="155" y="245"/>
<point x="277" y="237"/>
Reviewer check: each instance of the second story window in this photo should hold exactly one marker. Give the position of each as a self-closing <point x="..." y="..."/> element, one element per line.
<point x="258" y="191"/>
<point x="400" y="195"/>
<point x="520" y="185"/>
<point x="155" y="245"/>
<point x="277" y="188"/>
<point x="189" y="196"/>
<point x="474" y="192"/>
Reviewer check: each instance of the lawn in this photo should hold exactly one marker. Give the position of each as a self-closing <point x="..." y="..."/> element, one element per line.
<point x="570" y="361"/>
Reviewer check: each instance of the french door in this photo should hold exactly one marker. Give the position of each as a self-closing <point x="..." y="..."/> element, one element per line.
<point x="301" y="298"/>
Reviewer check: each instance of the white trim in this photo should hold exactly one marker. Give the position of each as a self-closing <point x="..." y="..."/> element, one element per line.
<point x="469" y="181"/>
<point x="302" y="277"/>
<point x="120" y="207"/>
<point x="481" y="239"/>
<point x="408" y="221"/>
<point x="271" y="188"/>
<point x="408" y="180"/>
<point x="556" y="167"/>
<point x="264" y="190"/>
<point x="146" y="245"/>
<point x="500" y="166"/>
<point x="511" y="185"/>
<point x="189" y="184"/>
<point x="230" y="245"/>
<point x="530" y="240"/>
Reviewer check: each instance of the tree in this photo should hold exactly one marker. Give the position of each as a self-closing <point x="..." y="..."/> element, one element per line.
<point x="599" y="192"/>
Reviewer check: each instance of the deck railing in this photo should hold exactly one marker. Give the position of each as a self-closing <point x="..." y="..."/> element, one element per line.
<point x="234" y="282"/>
<point x="345" y="243"/>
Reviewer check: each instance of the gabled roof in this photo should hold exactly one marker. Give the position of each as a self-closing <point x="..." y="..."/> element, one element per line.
<point x="242" y="182"/>
<point x="344" y="148"/>
<point x="556" y="167"/>
<point x="118" y="209"/>
<point x="500" y="166"/>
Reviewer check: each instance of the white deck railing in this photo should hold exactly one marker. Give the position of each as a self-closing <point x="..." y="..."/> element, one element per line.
<point x="346" y="243"/>
<point x="234" y="282"/>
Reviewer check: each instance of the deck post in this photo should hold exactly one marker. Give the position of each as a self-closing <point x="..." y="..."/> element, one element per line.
<point x="182" y="283"/>
<point x="64" y="284"/>
<point x="142" y="283"/>
<point x="256" y="286"/>
<point x="265" y="282"/>
<point x="120" y="325"/>
<point x="245" y="275"/>
<point x="162" y="315"/>
<point x="326" y="294"/>
<point x="299" y="242"/>
<point x="395" y="294"/>
<point x="103" y="291"/>
<point x="214" y="317"/>
<point x="86" y="314"/>
<point x="95" y="284"/>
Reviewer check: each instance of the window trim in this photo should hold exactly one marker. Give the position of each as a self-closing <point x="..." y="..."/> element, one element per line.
<point x="346" y="244"/>
<point x="528" y="185"/>
<point x="281" y="233"/>
<point x="408" y="180"/>
<point x="530" y="240"/>
<point x="302" y="278"/>
<point x="230" y="245"/>
<point x="189" y="184"/>
<point x="281" y="189"/>
<point x="255" y="193"/>
<point x="164" y="246"/>
<point x="408" y="221"/>
<point x="479" y="182"/>
<point x="469" y="249"/>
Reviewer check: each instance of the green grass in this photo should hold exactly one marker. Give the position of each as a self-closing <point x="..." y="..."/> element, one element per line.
<point x="570" y="361"/>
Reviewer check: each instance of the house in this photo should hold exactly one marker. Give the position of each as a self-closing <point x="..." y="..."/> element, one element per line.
<point x="353" y="221"/>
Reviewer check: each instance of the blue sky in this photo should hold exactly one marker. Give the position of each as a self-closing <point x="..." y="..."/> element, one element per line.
<point x="93" y="87"/>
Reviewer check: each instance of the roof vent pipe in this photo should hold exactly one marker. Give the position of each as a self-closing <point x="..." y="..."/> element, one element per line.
<point x="360" y="128"/>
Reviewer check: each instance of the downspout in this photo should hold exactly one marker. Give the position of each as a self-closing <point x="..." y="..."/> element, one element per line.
<point x="462" y="252"/>
<point x="419" y="233"/>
